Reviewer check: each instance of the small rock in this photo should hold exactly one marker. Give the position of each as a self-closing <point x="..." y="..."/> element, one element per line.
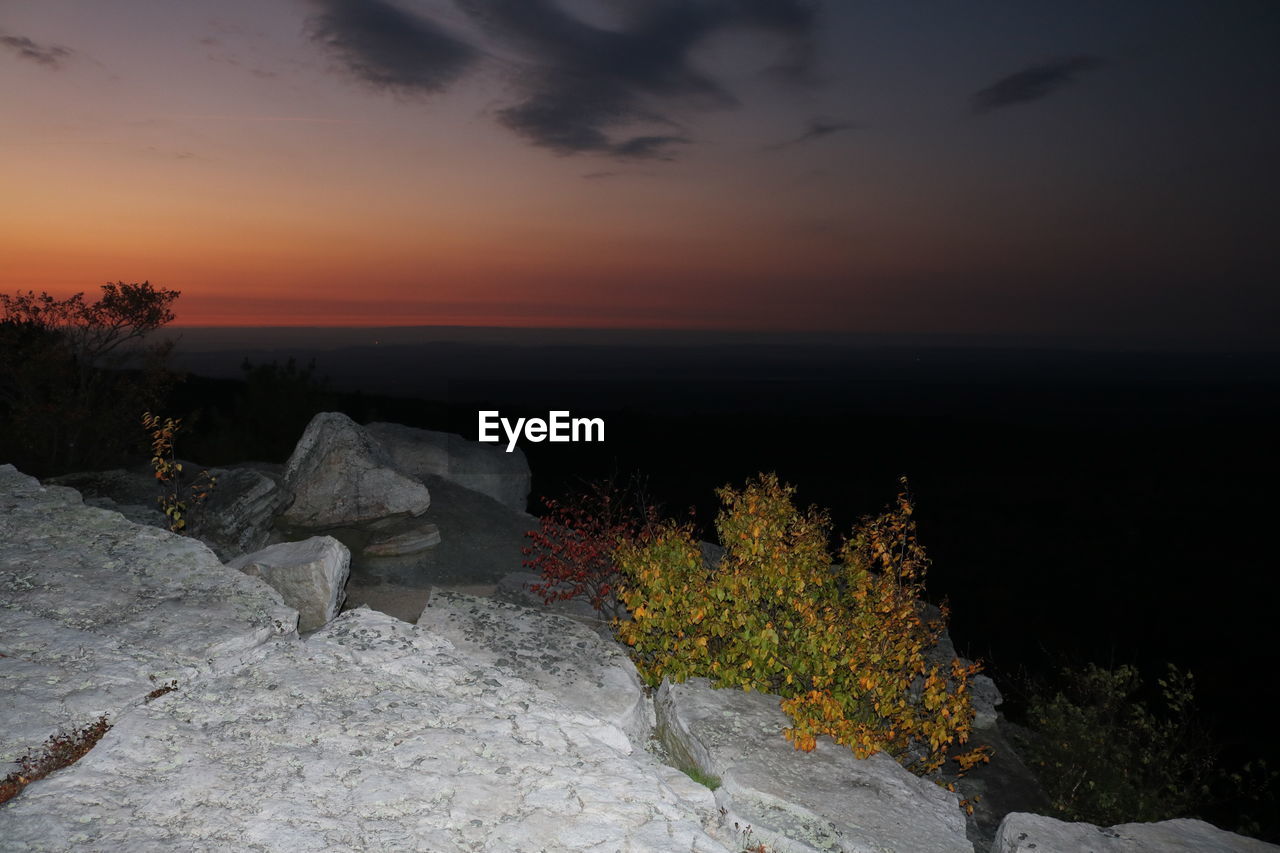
<point x="309" y="575"/>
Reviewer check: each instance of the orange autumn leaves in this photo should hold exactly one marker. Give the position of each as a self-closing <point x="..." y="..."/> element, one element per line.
<point x="844" y="643"/>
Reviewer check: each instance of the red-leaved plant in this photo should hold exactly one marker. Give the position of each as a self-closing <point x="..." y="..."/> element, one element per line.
<point x="574" y="544"/>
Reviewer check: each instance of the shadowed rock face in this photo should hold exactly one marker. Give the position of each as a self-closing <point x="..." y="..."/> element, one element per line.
<point x="341" y="476"/>
<point x="237" y="516"/>
<point x="483" y="468"/>
<point x="234" y="519"/>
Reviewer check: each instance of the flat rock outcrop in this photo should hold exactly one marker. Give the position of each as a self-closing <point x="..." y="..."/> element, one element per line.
<point x="309" y="575"/>
<point x="1024" y="833"/>
<point x="370" y="735"/>
<point x="96" y="612"/>
<point x="483" y="468"/>
<point x="342" y="476"/>
<point x="555" y="652"/>
<point x="824" y="800"/>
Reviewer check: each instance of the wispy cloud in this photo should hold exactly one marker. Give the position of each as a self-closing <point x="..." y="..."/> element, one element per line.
<point x="262" y="118"/>
<point x="1031" y="84"/>
<point x="817" y="128"/>
<point x="585" y="87"/>
<point x="50" y="55"/>
<point x="390" y="48"/>
<point x="579" y="88"/>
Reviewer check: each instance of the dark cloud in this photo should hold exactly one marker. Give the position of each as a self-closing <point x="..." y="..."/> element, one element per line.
<point x="390" y="48"/>
<point x="817" y="129"/>
<point x="580" y="88"/>
<point x="50" y="55"/>
<point x="1031" y="84"/>
<point x="584" y="87"/>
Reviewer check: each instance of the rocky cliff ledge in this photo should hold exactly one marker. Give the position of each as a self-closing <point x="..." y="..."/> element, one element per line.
<point x="485" y="726"/>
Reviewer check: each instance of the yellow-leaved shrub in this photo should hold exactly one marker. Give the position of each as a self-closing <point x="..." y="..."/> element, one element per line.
<point x="843" y="644"/>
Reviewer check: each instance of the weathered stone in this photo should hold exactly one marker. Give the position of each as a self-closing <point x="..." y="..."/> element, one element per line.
<point x="342" y="476"/>
<point x="591" y="673"/>
<point x="96" y="612"/>
<point x="237" y="516"/>
<point x="484" y="468"/>
<point x="309" y="575"/>
<point x="1023" y="833"/>
<point x="515" y="588"/>
<point x="370" y="735"/>
<point x="823" y="800"/>
<point x="403" y="543"/>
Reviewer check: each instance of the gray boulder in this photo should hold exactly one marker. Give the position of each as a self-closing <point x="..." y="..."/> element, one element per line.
<point x="1024" y="833"/>
<point x="483" y="468"/>
<point x="309" y="575"/>
<point x="589" y="672"/>
<point x="96" y="612"/>
<point x="824" y="800"/>
<point x="342" y="476"/>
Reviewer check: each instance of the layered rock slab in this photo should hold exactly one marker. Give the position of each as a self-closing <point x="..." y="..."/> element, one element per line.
<point x="237" y="516"/>
<point x="370" y="735"/>
<point x="1023" y="833"/>
<point x="591" y="672"/>
<point x="96" y="612"/>
<point x="824" y="800"/>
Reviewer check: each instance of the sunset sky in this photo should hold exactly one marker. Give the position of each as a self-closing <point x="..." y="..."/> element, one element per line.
<point x="1080" y="169"/>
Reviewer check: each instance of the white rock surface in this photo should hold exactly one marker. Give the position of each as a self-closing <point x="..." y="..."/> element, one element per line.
<point x="560" y="654"/>
<point x="1023" y="833"/>
<point x="484" y="468"/>
<point x="341" y="476"/>
<point x="824" y="800"/>
<point x="310" y="576"/>
<point x="96" y="612"/>
<point x="371" y="735"/>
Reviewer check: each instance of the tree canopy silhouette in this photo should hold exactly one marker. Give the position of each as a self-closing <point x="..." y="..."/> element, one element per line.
<point x="75" y="375"/>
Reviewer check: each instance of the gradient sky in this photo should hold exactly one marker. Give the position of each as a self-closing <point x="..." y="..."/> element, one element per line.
<point x="1079" y="169"/>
